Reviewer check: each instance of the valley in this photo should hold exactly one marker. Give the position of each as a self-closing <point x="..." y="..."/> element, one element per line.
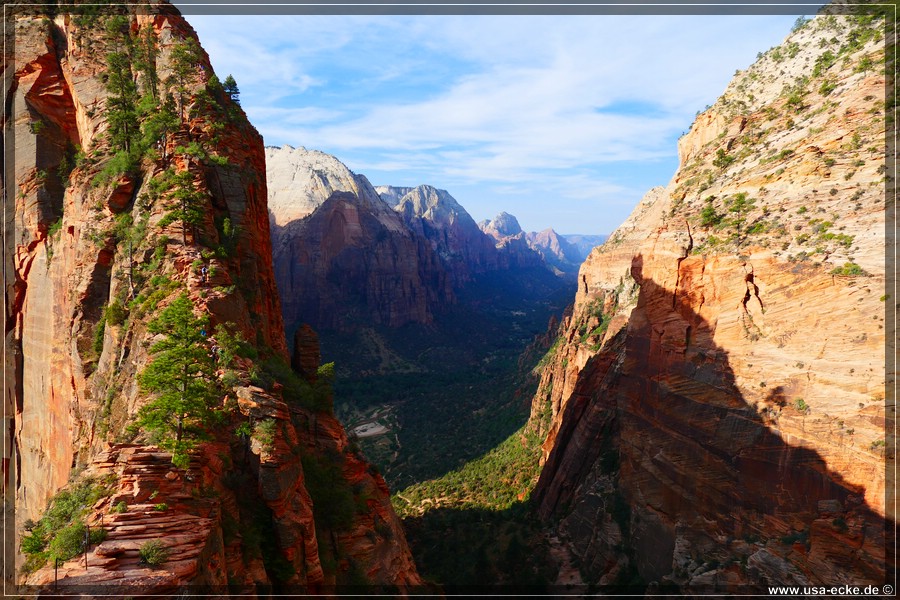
<point x="449" y="371"/>
<point x="237" y="369"/>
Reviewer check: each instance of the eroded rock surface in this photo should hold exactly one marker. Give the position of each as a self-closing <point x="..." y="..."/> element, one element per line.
<point x="240" y="518"/>
<point x="714" y="410"/>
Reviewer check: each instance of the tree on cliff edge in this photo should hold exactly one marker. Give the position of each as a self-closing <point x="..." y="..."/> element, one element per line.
<point x="182" y="375"/>
<point x="230" y="87"/>
<point x="188" y="206"/>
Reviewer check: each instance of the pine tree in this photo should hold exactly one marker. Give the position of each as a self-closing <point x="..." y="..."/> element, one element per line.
<point x="121" y="112"/>
<point x="188" y="207"/>
<point x="145" y="50"/>
<point x="123" y="95"/>
<point x="182" y="376"/>
<point x="185" y="58"/>
<point x="231" y="88"/>
<point x="159" y="123"/>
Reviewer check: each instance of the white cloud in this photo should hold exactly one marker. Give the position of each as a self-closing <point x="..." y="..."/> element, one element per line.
<point x="505" y="101"/>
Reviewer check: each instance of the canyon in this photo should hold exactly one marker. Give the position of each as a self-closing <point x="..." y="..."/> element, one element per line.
<point x="413" y="302"/>
<point x="349" y="255"/>
<point x="104" y="238"/>
<point x="713" y="414"/>
<point x="707" y="412"/>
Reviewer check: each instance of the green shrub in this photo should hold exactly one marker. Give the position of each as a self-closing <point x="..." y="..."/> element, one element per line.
<point x="120" y="507"/>
<point x="161" y="507"/>
<point x="548" y="356"/>
<point x="153" y="552"/>
<point x="264" y="433"/>
<point x="799" y="24"/>
<point x="115" y="313"/>
<point x="60" y="531"/>
<point x="121" y="163"/>
<point x="99" y="332"/>
<point x="824" y="62"/>
<point x="33" y="543"/>
<point x="827" y="87"/>
<point x="68" y="541"/>
<point x="740" y="203"/>
<point x="709" y="217"/>
<point x="758" y="227"/>
<point x="55" y="227"/>
<point x="722" y="159"/>
<point x="850" y="269"/>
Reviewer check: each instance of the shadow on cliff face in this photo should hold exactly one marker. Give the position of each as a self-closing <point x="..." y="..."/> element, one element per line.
<point x="481" y="551"/>
<point x="714" y="498"/>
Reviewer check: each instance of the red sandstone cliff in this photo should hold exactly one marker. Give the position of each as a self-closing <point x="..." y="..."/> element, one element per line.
<point x="352" y="263"/>
<point x="343" y="258"/>
<point x="714" y="409"/>
<point x="240" y="516"/>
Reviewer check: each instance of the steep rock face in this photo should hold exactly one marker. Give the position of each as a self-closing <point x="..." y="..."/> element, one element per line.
<point x="556" y="250"/>
<point x="436" y="216"/>
<point x="391" y="194"/>
<point x="81" y="244"/>
<point x="351" y="260"/>
<point x="502" y="226"/>
<point x="511" y="241"/>
<point x="352" y="263"/>
<point x="300" y="180"/>
<point x="713" y="411"/>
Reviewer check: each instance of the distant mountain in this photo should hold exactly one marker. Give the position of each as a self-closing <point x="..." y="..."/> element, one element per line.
<point x="391" y="194"/>
<point x="511" y="241"/>
<point x="524" y="248"/>
<point x="300" y="180"/>
<point x="502" y="226"/>
<point x="342" y="256"/>
<point x="436" y="216"/>
<point x="555" y="249"/>
<point x="585" y="243"/>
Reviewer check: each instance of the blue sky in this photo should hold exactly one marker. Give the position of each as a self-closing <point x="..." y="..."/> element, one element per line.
<point x="562" y="121"/>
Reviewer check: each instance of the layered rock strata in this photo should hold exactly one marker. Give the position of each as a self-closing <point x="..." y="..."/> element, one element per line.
<point x="713" y="411"/>
<point x="453" y="234"/>
<point x="95" y="255"/>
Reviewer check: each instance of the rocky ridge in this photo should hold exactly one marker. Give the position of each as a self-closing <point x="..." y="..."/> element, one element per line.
<point x="351" y="260"/>
<point x="348" y="255"/>
<point x="555" y="249"/>
<point x="300" y="180"/>
<point x="436" y="216"/>
<point x="525" y="249"/>
<point x="713" y="410"/>
<point x="89" y="237"/>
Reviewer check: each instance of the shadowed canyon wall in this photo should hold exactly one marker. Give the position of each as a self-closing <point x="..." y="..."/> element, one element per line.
<point x="713" y="410"/>
<point x="84" y="236"/>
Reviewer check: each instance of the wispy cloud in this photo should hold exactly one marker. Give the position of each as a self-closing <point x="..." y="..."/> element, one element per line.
<point x="544" y="105"/>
